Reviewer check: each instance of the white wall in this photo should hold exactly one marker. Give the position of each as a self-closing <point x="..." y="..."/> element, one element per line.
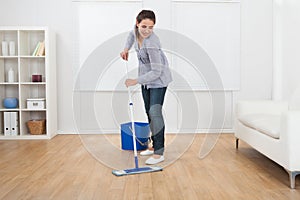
<point x="256" y="46"/>
<point x="290" y="52"/>
<point x="256" y="49"/>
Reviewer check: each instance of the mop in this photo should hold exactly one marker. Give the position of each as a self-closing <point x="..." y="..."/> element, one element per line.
<point x="137" y="169"/>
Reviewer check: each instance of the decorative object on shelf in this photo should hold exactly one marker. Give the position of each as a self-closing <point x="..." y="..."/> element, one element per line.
<point x="36" y="104"/>
<point x="10" y="76"/>
<point x="37" y="127"/>
<point x="12" y="48"/>
<point x="36" y="78"/>
<point x="10" y="102"/>
<point x="4" y="48"/>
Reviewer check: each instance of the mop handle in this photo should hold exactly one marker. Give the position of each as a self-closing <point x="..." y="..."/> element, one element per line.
<point x="132" y="120"/>
<point x="128" y="88"/>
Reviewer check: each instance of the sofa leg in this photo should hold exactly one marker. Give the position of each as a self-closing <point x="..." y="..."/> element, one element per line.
<point x="292" y="176"/>
<point x="236" y="143"/>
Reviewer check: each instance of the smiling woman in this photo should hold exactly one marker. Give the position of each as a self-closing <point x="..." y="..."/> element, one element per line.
<point x="154" y="76"/>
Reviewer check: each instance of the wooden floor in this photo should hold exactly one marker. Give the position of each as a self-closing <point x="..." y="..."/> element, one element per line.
<point x="65" y="168"/>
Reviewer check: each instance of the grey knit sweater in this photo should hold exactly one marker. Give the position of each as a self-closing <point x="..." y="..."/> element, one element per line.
<point x="154" y="69"/>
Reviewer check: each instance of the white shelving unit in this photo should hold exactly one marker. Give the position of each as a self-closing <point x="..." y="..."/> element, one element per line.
<point x="24" y="65"/>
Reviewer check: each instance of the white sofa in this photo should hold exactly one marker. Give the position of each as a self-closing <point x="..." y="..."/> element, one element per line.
<point x="273" y="130"/>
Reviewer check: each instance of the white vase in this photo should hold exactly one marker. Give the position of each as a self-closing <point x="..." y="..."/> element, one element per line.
<point x="12" y="48"/>
<point x="4" y="48"/>
<point x="11" y="76"/>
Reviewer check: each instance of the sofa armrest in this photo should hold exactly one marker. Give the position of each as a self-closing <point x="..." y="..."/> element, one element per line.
<point x="290" y="132"/>
<point x="262" y="106"/>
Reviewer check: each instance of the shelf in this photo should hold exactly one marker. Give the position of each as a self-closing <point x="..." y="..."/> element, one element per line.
<point x="9" y="109"/>
<point x="25" y="137"/>
<point x="22" y="56"/>
<point x="6" y="83"/>
<point x="30" y="115"/>
<point x="31" y="66"/>
<point x="7" y="63"/>
<point x="31" y="91"/>
<point x="34" y="57"/>
<point x="33" y="110"/>
<point x="8" y="57"/>
<point x="8" y="36"/>
<point x="29" y="40"/>
<point x="24" y="66"/>
<point x="8" y="90"/>
<point x="33" y="83"/>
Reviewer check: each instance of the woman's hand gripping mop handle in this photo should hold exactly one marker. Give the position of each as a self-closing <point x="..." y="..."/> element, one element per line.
<point x="132" y="121"/>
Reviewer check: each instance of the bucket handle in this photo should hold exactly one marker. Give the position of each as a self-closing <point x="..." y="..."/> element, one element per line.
<point x="141" y="143"/>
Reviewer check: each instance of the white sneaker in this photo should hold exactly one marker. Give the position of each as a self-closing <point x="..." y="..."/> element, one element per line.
<point x="147" y="152"/>
<point x="153" y="161"/>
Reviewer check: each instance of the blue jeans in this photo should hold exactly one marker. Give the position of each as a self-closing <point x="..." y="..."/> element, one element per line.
<point x="153" y="101"/>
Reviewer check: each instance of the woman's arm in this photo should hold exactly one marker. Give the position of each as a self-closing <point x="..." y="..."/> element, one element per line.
<point x="128" y="45"/>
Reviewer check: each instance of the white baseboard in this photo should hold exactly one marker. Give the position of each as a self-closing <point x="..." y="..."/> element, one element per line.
<point x="200" y="131"/>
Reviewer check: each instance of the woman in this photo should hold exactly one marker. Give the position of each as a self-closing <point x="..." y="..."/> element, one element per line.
<point x="154" y="76"/>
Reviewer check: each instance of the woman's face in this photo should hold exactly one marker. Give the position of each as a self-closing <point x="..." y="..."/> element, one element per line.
<point x="145" y="27"/>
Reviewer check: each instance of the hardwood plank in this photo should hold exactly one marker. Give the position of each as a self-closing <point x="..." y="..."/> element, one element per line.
<point x="145" y="187"/>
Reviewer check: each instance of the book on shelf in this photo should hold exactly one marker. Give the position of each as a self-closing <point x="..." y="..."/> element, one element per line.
<point x="39" y="49"/>
<point x="36" y="49"/>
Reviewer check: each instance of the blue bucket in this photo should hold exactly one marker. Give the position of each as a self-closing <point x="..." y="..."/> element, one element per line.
<point x="142" y="132"/>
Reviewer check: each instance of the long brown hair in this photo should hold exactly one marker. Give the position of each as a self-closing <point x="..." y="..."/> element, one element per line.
<point x="144" y="14"/>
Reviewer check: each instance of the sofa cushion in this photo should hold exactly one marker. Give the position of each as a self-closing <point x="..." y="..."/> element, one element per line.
<point x="266" y="123"/>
